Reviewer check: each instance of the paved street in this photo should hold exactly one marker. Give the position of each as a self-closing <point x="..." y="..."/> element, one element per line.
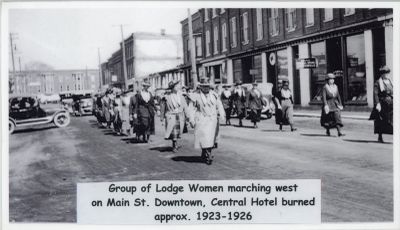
<point x="356" y="171"/>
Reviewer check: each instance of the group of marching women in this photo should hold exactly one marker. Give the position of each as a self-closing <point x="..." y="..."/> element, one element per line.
<point x="135" y="113"/>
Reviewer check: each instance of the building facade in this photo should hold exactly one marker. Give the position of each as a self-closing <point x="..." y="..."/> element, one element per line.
<point x="302" y="45"/>
<point x="55" y="81"/>
<point x="145" y="53"/>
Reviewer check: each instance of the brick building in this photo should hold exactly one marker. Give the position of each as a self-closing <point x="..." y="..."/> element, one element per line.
<point x="55" y="81"/>
<point x="264" y="44"/>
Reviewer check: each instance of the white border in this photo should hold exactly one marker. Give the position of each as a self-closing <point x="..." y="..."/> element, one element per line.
<point x="5" y="7"/>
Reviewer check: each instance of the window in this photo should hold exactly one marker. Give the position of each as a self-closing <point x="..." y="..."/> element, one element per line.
<point x="356" y="80"/>
<point x="318" y="51"/>
<point x="206" y="15"/>
<point x="328" y="14"/>
<point x="199" y="51"/>
<point x="245" y="28"/>
<point x="188" y="49"/>
<point x="216" y="39"/>
<point x="214" y="12"/>
<point x="274" y="22"/>
<point x="208" y="40"/>
<point x="349" y="11"/>
<point x="259" y="23"/>
<point x="282" y="64"/>
<point x="290" y="19"/>
<point x="257" y="65"/>
<point x="233" y="33"/>
<point x="222" y="11"/>
<point x="309" y="16"/>
<point x="224" y="37"/>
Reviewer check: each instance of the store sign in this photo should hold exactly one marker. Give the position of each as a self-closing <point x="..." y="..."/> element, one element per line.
<point x="306" y="63"/>
<point x="353" y="62"/>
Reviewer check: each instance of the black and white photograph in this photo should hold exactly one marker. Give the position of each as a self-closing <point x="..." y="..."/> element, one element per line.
<point x="118" y="93"/>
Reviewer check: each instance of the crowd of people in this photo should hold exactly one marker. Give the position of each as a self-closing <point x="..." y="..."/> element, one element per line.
<point x="204" y="109"/>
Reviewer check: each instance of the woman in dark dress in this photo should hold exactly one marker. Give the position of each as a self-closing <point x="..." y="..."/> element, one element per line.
<point x="332" y="106"/>
<point x="239" y="100"/>
<point x="226" y="99"/>
<point x="254" y="103"/>
<point x="144" y="113"/>
<point x="382" y="114"/>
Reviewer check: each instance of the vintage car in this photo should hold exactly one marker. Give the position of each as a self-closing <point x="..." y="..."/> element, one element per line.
<point x="27" y="111"/>
<point x="82" y="103"/>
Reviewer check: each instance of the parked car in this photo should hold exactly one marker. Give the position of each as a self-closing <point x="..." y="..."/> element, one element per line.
<point x="27" y="111"/>
<point x="82" y="103"/>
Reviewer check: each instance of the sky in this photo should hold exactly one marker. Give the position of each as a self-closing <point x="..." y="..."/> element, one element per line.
<point x="70" y="38"/>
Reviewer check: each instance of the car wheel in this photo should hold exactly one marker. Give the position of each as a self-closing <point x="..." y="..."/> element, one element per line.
<point x="61" y="120"/>
<point x="11" y="127"/>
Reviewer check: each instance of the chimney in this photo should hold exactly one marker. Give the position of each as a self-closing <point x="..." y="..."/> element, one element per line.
<point x="163" y="32"/>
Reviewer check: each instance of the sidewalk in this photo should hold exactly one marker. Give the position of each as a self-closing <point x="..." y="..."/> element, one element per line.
<point x="345" y="114"/>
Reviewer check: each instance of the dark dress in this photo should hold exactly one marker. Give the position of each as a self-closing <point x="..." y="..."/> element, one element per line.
<point x="383" y="120"/>
<point x="239" y="103"/>
<point x="278" y="112"/>
<point x="144" y="124"/>
<point x="333" y="118"/>
<point x="255" y="103"/>
<point x="227" y="103"/>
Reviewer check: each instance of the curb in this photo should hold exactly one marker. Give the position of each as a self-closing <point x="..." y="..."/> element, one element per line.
<point x="354" y="117"/>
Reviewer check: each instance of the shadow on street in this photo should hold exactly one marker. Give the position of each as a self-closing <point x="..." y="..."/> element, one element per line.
<point x="189" y="159"/>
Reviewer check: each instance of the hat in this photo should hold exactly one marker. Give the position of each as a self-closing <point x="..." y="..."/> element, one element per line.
<point x="285" y="82"/>
<point x="204" y="82"/>
<point x="255" y="82"/>
<point x="330" y="76"/>
<point x="172" y="84"/>
<point x="384" y="69"/>
<point x="226" y="86"/>
<point x="238" y="83"/>
<point x="146" y="83"/>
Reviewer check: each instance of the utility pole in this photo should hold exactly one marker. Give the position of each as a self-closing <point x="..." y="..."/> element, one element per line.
<point x="124" y="58"/>
<point x="192" y="50"/>
<point x="12" y="79"/>
<point x="100" y="77"/>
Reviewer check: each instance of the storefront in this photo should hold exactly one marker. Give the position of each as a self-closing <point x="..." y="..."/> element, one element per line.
<point x="247" y="69"/>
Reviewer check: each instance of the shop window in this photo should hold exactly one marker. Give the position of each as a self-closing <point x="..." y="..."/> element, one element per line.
<point x="274" y="22"/>
<point x="356" y="80"/>
<point x="245" y="28"/>
<point x="216" y="39"/>
<point x="233" y="32"/>
<point x="224" y="37"/>
<point x="318" y="74"/>
<point x="290" y="19"/>
<point x="237" y="70"/>
<point x="188" y="50"/>
<point x="349" y="11"/>
<point x="328" y="14"/>
<point x="309" y="16"/>
<point x="257" y="67"/>
<point x="259" y="23"/>
<point x="282" y="63"/>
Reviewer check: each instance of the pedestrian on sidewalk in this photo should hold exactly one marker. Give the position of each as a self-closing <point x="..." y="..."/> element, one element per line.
<point x="332" y="106"/>
<point x="254" y="103"/>
<point x="226" y="99"/>
<point x="209" y="113"/>
<point x="382" y="113"/>
<point x="132" y="120"/>
<point x="144" y="112"/>
<point x="239" y="100"/>
<point x="286" y="102"/>
<point x="276" y="99"/>
<point x="174" y="111"/>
